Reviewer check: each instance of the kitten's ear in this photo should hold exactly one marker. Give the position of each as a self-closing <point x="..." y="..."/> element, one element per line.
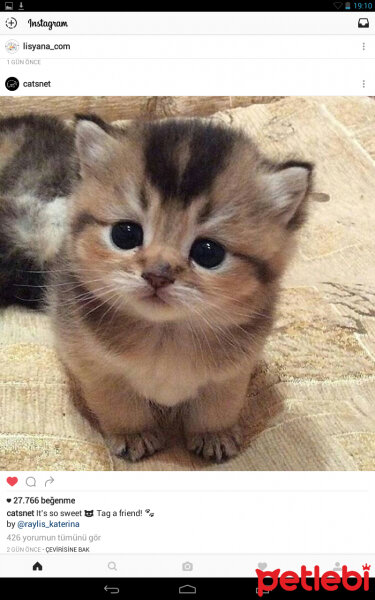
<point x="95" y="147"/>
<point x="288" y="187"/>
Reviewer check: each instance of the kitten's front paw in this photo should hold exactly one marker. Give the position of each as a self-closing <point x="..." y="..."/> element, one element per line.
<point x="216" y="446"/>
<point x="135" y="446"/>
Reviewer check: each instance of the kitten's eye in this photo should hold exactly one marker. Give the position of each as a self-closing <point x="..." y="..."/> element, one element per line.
<point x="127" y="235"/>
<point x="207" y="254"/>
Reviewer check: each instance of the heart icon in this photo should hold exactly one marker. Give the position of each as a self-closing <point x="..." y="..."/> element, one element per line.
<point x="12" y="480"/>
<point x="262" y="566"/>
<point x="9" y="499"/>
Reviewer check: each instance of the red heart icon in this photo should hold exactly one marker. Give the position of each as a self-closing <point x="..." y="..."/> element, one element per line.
<point x="12" y="480"/>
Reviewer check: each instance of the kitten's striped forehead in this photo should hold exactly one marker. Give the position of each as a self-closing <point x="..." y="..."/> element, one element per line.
<point x="182" y="159"/>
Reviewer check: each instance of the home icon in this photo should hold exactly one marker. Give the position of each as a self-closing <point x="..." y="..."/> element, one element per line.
<point x="37" y="567"/>
<point x="187" y="589"/>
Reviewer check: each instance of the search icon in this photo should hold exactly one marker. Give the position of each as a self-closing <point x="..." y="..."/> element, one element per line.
<point x="31" y="481"/>
<point x="112" y="566"/>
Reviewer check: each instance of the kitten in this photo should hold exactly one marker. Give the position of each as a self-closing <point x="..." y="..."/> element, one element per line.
<point x="165" y="288"/>
<point x="36" y="175"/>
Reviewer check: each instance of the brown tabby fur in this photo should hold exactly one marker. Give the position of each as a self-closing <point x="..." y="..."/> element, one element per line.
<point x="135" y="357"/>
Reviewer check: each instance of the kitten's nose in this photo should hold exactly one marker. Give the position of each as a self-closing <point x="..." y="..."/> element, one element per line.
<point x="159" y="276"/>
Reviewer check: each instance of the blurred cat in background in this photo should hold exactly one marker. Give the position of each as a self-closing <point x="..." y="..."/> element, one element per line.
<point x="37" y="173"/>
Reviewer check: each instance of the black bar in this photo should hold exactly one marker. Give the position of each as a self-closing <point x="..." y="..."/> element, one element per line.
<point x="270" y="6"/>
<point x="165" y="588"/>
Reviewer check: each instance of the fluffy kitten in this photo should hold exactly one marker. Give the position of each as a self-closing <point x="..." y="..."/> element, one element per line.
<point x="36" y="175"/>
<point x="165" y="289"/>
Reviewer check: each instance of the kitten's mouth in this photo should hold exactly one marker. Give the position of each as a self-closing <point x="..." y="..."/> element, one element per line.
<point x="158" y="306"/>
<point x="155" y="299"/>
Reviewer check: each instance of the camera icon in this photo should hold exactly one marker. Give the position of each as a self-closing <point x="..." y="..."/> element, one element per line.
<point x="187" y="566"/>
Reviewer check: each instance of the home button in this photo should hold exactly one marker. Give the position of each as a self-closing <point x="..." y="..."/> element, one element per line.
<point x="37" y="567"/>
<point x="187" y="589"/>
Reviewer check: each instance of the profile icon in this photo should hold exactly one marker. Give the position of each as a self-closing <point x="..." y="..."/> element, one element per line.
<point x="12" y="84"/>
<point x="12" y="46"/>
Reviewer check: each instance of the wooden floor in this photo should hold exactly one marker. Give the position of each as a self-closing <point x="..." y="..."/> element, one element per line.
<point x="127" y="107"/>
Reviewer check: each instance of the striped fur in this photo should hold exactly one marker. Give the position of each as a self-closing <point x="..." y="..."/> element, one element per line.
<point x="137" y="355"/>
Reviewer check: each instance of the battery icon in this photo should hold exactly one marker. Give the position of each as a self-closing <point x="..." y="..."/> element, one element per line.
<point x="347" y="6"/>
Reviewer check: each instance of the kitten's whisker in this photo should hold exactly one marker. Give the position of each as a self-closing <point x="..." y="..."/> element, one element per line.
<point x="86" y="295"/>
<point x="117" y="302"/>
<point x="26" y="285"/>
<point x="28" y="299"/>
<point x="238" y="326"/>
<point x="53" y="285"/>
<point x="70" y="271"/>
<point x="101" y="304"/>
<point x="196" y="311"/>
<point x="202" y="353"/>
<point x="261" y="314"/>
<point x="249" y="313"/>
<point x="224" y="339"/>
<point x="195" y="337"/>
<point x="114" y="308"/>
<point x="227" y="337"/>
<point x="81" y="298"/>
<point x="76" y="308"/>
